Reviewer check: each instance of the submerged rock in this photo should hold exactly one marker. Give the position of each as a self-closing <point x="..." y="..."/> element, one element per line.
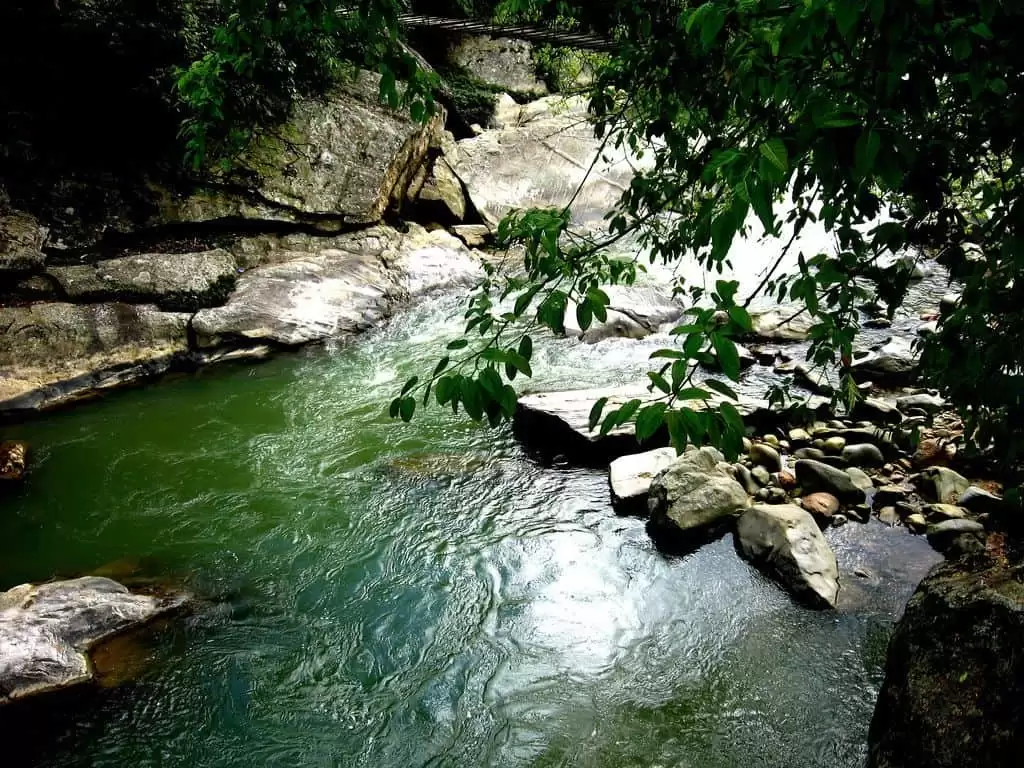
<point x="47" y="630"/>
<point x="785" y="541"/>
<point x="954" y="677"/>
<point x="693" y="497"/>
<point x="630" y="478"/>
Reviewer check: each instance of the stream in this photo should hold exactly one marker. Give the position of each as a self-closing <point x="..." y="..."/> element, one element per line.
<point x="385" y="594"/>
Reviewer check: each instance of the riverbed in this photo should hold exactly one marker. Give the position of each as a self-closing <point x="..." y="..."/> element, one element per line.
<point x="386" y="594"/>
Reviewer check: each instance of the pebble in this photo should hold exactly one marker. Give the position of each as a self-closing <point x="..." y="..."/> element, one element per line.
<point x="771" y="439"/>
<point x="939" y="512"/>
<point x="860" y="478"/>
<point x="766" y="456"/>
<point x="864" y="455"/>
<point x="799" y="436"/>
<point x="822" y="505"/>
<point x="916" y="523"/>
<point x="834" y="445"/>
<point x="839" y="520"/>
<point x="761" y="475"/>
<point x="862" y="573"/>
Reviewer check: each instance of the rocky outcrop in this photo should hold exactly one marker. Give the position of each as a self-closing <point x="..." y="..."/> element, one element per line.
<point x="500" y="62"/>
<point x="542" y="163"/>
<point x="693" y="498"/>
<point x="634" y="312"/>
<point x="630" y="478"/>
<point x="441" y="197"/>
<point x="51" y="354"/>
<point x="47" y="630"/>
<point x="21" y="241"/>
<point x="954" y="676"/>
<point x="785" y="541"/>
<point x="172" y="281"/>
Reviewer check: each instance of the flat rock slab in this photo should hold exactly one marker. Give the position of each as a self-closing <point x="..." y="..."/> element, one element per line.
<point x="630" y="478"/>
<point x="47" y="630"/>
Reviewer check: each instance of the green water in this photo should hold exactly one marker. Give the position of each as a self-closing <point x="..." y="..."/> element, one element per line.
<point x="381" y="594"/>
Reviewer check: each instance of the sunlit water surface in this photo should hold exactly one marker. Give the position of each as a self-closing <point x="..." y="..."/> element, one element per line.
<point x="381" y="594"/>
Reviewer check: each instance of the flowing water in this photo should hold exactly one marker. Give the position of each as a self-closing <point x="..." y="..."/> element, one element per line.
<point x="391" y="595"/>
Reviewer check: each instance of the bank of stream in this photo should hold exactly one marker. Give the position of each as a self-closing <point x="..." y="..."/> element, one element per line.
<point x="383" y="594"/>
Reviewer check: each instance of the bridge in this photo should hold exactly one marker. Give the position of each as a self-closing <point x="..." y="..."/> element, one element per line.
<point x="535" y="34"/>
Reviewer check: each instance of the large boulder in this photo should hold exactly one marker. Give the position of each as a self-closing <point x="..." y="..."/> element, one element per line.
<point x="781" y="323"/>
<point x="894" y="363"/>
<point x="434" y="260"/>
<point x="543" y="163"/>
<point x="172" y="281"/>
<point x="694" y="497"/>
<point x="630" y="478"/>
<point x="51" y="354"/>
<point x="634" y="312"/>
<point x="785" y="541"/>
<point x="47" y="630"/>
<point x="500" y="62"/>
<point x="954" y="678"/>
<point x="441" y="197"/>
<point x="322" y="288"/>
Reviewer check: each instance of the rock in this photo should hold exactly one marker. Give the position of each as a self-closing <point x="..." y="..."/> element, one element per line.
<point x="177" y="282"/>
<point x="860" y="478"/>
<point x="864" y="455"/>
<point x="814" y="379"/>
<point x="692" y="497"/>
<point x="816" y="476"/>
<point x="21" y="241"/>
<point x="834" y="444"/>
<point x="785" y="541"/>
<point x="430" y="261"/>
<point x="942" y="484"/>
<point x="53" y="354"/>
<point x="978" y="501"/>
<point x="500" y="62"/>
<point x="441" y="196"/>
<point x="916" y="523"/>
<point x="631" y="476"/>
<point x="781" y="323"/>
<point x="942" y="535"/>
<point x="894" y="363"/>
<point x="799" y="436"/>
<point x="474" y="235"/>
<point x="13" y="458"/>
<point x="839" y="520"/>
<point x="890" y="495"/>
<point x="771" y="440"/>
<point x="766" y="456"/>
<point x="761" y="475"/>
<point x="809" y="453"/>
<point x="876" y="410"/>
<point x="47" y="630"/>
<point x="821" y="505"/>
<point x="954" y="676"/>
<point x="924" y="401"/>
<point x="907" y="508"/>
<point x="786" y="480"/>
<point x="634" y="312"/>
<point x="541" y="164"/>
<point x="345" y="156"/>
<point x="948" y="303"/>
<point x="326" y="287"/>
<point x="777" y="496"/>
<point x="888" y="516"/>
<point x="877" y="323"/>
<point x="744" y="478"/>
<point x="508" y="113"/>
<point x="928" y="329"/>
<point x="940" y="512"/>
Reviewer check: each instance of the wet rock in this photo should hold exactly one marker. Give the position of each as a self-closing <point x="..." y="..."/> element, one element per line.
<point x="181" y="282"/>
<point x="928" y="329"/>
<point x="877" y="323"/>
<point x="474" y="235"/>
<point x="430" y="261"/>
<point x="785" y="541"/>
<point x="634" y="312"/>
<point x="834" y="444"/>
<point x="766" y="456"/>
<point x="541" y="164"/>
<point x="814" y="379"/>
<point x="864" y="455"/>
<point x="500" y="62"/>
<point x="799" y="437"/>
<point x="916" y="523"/>
<point x="46" y="630"/>
<point x="877" y="410"/>
<point x="890" y="495"/>
<point x="839" y="520"/>
<point x="924" y="401"/>
<point x="441" y="196"/>
<point x="745" y="478"/>
<point x="894" y="363"/>
<point x="809" y="453"/>
<point x="888" y="516"/>
<point x="786" y="480"/>
<point x="954" y="674"/>
<point x="942" y="484"/>
<point x="821" y="505"/>
<point x="782" y="323"/>
<point x="940" y="512"/>
<point x="948" y="303"/>
<point x="761" y="475"/>
<point x="818" y="476"/>
<point x="631" y="476"/>
<point x="860" y="478"/>
<point x="943" y="535"/>
<point x="776" y="496"/>
<point x="13" y="460"/>
<point x="692" y="498"/>
<point x="771" y="440"/>
<point x="978" y="501"/>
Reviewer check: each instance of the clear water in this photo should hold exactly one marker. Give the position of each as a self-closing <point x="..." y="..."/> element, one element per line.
<point x="381" y="594"/>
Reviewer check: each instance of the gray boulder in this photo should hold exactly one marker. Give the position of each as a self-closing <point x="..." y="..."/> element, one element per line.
<point x="860" y="478"/>
<point x="634" y="312"/>
<point x="814" y="379"/>
<point x="782" y="323"/>
<point x="785" y="541"/>
<point x="943" y="536"/>
<point x="922" y="400"/>
<point x="894" y="363"/>
<point x="954" y="676"/>
<point x="942" y="484"/>
<point x="47" y="630"/>
<point x="978" y="501"/>
<point x="818" y="476"/>
<point x="693" y="496"/>
<point x="863" y="455"/>
<point x="501" y="62"/>
<point x="631" y="476"/>
<point x="172" y="281"/>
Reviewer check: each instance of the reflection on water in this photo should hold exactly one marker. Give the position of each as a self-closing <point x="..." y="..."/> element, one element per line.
<point x="385" y="594"/>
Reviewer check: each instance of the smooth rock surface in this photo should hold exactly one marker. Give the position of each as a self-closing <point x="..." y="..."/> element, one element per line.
<point x="46" y="630"/>
<point x="954" y="678"/>
<point x="785" y="541"/>
<point x="782" y="323"/>
<point x="821" y="505"/>
<point x="693" y="496"/>
<point x="863" y="455"/>
<point x="942" y="484"/>
<point x="501" y="62"/>
<point x="634" y="312"/>
<point x="894" y="363"/>
<point x="630" y="477"/>
<point x="818" y="476"/>
<point x="442" y="192"/>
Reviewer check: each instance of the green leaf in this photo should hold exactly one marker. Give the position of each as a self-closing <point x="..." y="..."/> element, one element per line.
<point x="659" y="381"/>
<point x="847" y="13"/>
<point x="441" y="365"/>
<point x="595" y="413"/>
<point x="727" y="355"/>
<point x="676" y="431"/>
<point x="410" y="384"/>
<point x="626" y="412"/>
<point x="407" y="408"/>
<point x="520" y="363"/>
<point x="526" y="348"/>
<point x="866" y="151"/>
<point x="649" y="420"/>
<point x="584" y="314"/>
<point x="396" y="404"/>
<point x="774" y="150"/>
<point x="458" y="344"/>
<point x="981" y="29"/>
<point x="742" y="318"/>
<point x="732" y="417"/>
<point x="712" y="24"/>
<point x="508" y="401"/>
<point x="721" y="388"/>
<point x="693" y="393"/>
